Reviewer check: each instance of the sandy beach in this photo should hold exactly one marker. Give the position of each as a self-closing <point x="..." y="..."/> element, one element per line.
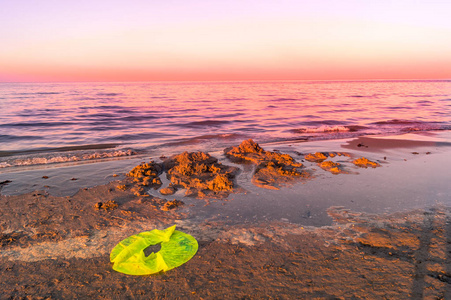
<point x="282" y="223"/>
<point x="225" y="150"/>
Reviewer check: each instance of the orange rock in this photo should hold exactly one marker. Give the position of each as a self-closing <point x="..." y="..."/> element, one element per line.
<point x="365" y="163"/>
<point x="172" y="204"/>
<point x="146" y="174"/>
<point x="167" y="190"/>
<point x="333" y="167"/>
<point x="109" y="205"/>
<point x="316" y="157"/>
<point x="122" y="187"/>
<point x="273" y="168"/>
<point x="200" y="174"/>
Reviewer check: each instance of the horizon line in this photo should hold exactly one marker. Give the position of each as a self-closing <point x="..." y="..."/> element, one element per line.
<point x="238" y="80"/>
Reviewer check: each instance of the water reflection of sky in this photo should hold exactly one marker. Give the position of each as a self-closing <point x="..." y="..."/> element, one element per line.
<point x="43" y="115"/>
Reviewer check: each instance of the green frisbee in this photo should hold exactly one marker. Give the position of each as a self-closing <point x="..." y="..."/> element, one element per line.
<point x="176" y="249"/>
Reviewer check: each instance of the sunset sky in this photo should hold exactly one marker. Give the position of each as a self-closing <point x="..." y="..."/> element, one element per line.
<point x="144" y="40"/>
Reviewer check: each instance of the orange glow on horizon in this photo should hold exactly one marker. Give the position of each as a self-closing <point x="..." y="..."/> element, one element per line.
<point x="246" y="49"/>
<point x="326" y="71"/>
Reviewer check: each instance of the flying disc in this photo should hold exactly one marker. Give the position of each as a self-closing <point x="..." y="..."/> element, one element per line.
<point x="177" y="248"/>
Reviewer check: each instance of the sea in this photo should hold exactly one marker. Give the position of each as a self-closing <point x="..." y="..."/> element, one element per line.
<point x="54" y="123"/>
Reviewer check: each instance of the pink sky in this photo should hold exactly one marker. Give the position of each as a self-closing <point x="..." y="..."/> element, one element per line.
<point x="224" y="40"/>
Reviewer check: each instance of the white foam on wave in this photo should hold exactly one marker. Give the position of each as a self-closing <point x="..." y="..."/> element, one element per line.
<point x="323" y="129"/>
<point x="4" y="165"/>
<point x="53" y="158"/>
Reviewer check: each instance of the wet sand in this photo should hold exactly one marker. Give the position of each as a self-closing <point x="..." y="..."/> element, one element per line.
<point x="368" y="233"/>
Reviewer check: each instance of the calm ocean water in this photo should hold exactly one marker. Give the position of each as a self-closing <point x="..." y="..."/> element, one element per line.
<point x="43" y="123"/>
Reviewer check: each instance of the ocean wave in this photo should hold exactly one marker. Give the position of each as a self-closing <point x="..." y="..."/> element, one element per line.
<point x="399" y="107"/>
<point x="40" y="93"/>
<point x="423" y="96"/>
<point x="109" y="94"/>
<point x="50" y="150"/>
<point x="36" y="124"/>
<point x="61" y="158"/>
<point x="105" y="115"/>
<point x="364" y="96"/>
<point x="322" y="123"/>
<point x="406" y="124"/>
<point x="207" y="123"/>
<point x="400" y="126"/>
<point x="382" y="127"/>
<point x="203" y="138"/>
<point x="103" y="118"/>
<point x="104" y="107"/>
<point x="222" y="136"/>
<point x="136" y="118"/>
<point x="99" y="127"/>
<point x="137" y="136"/>
<point x="284" y="99"/>
<point x="424" y="127"/>
<point x="231" y="115"/>
<point x="7" y="137"/>
<point x="324" y="129"/>
<point x="397" y="122"/>
<point x="260" y="110"/>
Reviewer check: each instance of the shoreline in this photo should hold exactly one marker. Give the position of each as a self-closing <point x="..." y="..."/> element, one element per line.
<point x="345" y="235"/>
<point x="400" y="157"/>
